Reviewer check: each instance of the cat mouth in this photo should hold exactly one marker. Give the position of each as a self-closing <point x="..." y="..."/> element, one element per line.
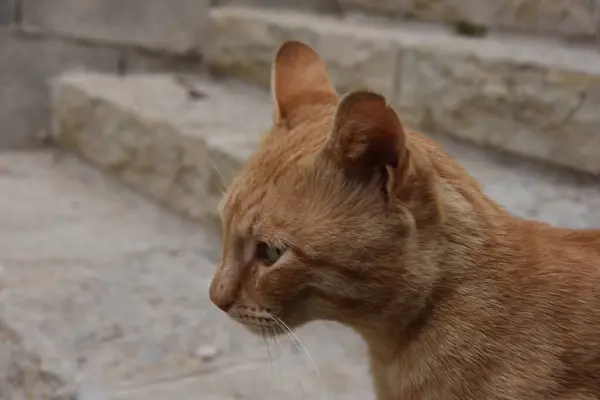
<point x="262" y="325"/>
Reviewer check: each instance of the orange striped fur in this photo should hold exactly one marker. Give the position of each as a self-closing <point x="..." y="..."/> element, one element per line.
<point x="343" y="214"/>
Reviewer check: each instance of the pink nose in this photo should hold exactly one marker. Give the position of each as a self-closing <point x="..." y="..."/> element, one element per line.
<point x="220" y="295"/>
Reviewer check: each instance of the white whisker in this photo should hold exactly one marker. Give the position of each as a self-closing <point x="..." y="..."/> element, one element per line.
<point x="216" y="168"/>
<point x="277" y="359"/>
<point x="264" y="337"/>
<point x="304" y="350"/>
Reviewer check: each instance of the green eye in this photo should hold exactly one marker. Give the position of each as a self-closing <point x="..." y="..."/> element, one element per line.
<point x="268" y="254"/>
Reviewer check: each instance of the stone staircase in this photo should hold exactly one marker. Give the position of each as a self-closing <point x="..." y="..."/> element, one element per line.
<point x="181" y="150"/>
<point x="572" y="20"/>
<point x="567" y="19"/>
<point x="105" y="296"/>
<point x="535" y="95"/>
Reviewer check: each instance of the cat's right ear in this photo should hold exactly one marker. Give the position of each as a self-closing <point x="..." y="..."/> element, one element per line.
<point x="368" y="141"/>
<point x="299" y="78"/>
<point x="370" y="144"/>
<point x="367" y="135"/>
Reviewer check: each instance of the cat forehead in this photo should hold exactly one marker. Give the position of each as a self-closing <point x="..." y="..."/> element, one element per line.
<point x="283" y="161"/>
<point x="241" y="205"/>
<point x="257" y="198"/>
<point x="245" y="197"/>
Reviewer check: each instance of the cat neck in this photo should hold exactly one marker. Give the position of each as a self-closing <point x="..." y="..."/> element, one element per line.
<point x="475" y="237"/>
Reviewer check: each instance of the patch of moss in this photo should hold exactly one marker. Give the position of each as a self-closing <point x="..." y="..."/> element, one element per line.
<point x="466" y="28"/>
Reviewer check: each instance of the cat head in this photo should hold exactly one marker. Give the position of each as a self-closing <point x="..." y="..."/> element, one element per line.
<point x="322" y="222"/>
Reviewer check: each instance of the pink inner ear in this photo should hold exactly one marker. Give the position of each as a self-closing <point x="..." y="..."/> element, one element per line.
<point x="299" y="77"/>
<point x="367" y="131"/>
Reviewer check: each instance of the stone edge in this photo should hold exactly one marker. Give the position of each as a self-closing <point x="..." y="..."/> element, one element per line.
<point x="191" y="186"/>
<point x="230" y="63"/>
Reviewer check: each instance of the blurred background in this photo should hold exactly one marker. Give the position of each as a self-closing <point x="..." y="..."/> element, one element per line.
<point x="122" y="121"/>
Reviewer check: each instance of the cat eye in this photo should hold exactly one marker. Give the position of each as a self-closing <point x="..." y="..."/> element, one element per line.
<point x="268" y="254"/>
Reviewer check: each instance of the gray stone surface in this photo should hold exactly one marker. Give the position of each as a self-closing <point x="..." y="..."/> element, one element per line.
<point x="27" y="63"/>
<point x="7" y="12"/>
<point x="22" y="373"/>
<point x="171" y="25"/>
<point x="389" y="8"/>
<point x="542" y="111"/>
<point x="321" y="6"/>
<point x="245" y="42"/>
<point x="575" y="19"/>
<point x="134" y="61"/>
<point x="109" y="291"/>
<point x="533" y="97"/>
<point x="152" y="132"/>
<point x="119" y="124"/>
<point x="531" y="190"/>
<point x="106" y="298"/>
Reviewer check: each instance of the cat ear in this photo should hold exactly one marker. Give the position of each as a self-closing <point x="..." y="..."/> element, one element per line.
<point x="367" y="137"/>
<point x="299" y="78"/>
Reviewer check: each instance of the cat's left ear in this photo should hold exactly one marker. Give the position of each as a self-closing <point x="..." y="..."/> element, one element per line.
<point x="299" y="79"/>
<point x="367" y="139"/>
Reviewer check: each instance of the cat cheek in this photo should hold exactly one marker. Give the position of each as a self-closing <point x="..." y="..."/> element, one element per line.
<point x="268" y="284"/>
<point x="289" y="283"/>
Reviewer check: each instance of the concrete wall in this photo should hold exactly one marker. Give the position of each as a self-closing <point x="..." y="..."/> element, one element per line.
<point x="569" y="19"/>
<point x="41" y="38"/>
<point x="573" y="20"/>
<point x="521" y="94"/>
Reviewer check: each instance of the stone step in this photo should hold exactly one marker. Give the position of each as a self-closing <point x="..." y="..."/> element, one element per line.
<point x="125" y="301"/>
<point x="104" y="296"/>
<point x="171" y="26"/>
<point x="183" y="150"/>
<point x="537" y="98"/>
<point x="178" y="140"/>
<point x="571" y="20"/>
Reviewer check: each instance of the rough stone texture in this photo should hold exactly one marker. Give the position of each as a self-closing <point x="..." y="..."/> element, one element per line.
<point x="172" y="25"/>
<point x="139" y="61"/>
<point x="540" y="111"/>
<point x="134" y="129"/>
<point x="536" y="98"/>
<point x="106" y="298"/>
<point x="531" y="190"/>
<point x="7" y="12"/>
<point x="322" y="6"/>
<point x="109" y="292"/>
<point x="27" y="62"/>
<point x="576" y="19"/>
<point x="85" y="125"/>
<point x="387" y="8"/>
<point x="245" y="42"/>
<point x="22" y="375"/>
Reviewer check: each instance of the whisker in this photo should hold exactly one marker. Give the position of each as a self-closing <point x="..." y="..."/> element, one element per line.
<point x="216" y="200"/>
<point x="277" y="359"/>
<point x="216" y="168"/>
<point x="264" y="337"/>
<point x="304" y="350"/>
<point x="294" y="342"/>
<point x="287" y="332"/>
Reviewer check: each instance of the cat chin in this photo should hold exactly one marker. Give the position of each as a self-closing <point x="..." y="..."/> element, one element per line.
<point x="266" y="331"/>
<point x="271" y="328"/>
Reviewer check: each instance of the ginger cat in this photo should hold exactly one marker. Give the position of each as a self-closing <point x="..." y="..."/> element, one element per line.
<point x="343" y="214"/>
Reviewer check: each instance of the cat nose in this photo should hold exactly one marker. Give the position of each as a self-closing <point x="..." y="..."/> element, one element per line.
<point x="221" y="296"/>
<point x="225" y="284"/>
